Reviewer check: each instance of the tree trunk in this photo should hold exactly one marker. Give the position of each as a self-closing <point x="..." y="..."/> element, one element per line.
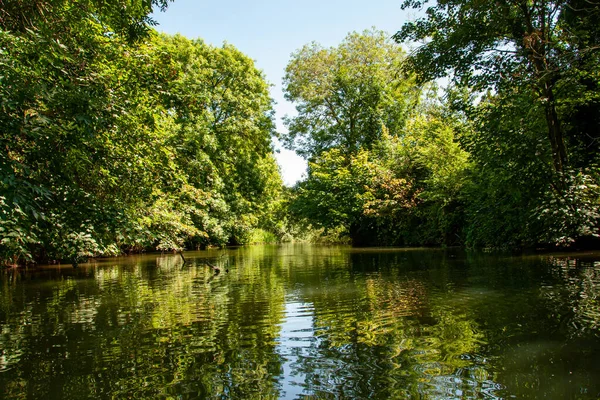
<point x="535" y="44"/>
<point x="559" y="151"/>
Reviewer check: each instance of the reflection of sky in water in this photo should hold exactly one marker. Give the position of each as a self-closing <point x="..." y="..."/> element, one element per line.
<point x="312" y="366"/>
<point x="295" y="339"/>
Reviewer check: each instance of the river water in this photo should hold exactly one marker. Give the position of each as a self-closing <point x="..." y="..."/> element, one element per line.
<point x="303" y="321"/>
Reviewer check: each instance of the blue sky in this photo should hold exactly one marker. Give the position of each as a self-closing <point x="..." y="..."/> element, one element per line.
<point x="268" y="31"/>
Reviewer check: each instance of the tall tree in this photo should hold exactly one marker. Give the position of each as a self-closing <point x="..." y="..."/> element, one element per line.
<point x="127" y="18"/>
<point x="345" y="95"/>
<point x="114" y="138"/>
<point x="519" y="45"/>
<point x="223" y="124"/>
<point x="375" y="170"/>
<point x="66" y="95"/>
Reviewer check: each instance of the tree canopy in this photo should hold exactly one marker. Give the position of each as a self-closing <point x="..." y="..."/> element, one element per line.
<point x="346" y="95"/>
<point x="545" y="47"/>
<point x="536" y="131"/>
<point x="504" y="156"/>
<point x="114" y="138"/>
<point x="382" y="157"/>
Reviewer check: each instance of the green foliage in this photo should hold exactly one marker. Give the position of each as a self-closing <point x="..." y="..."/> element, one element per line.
<point x="345" y="95"/>
<point x="385" y="165"/>
<point x="380" y="196"/>
<point x="260" y="236"/>
<point x="331" y="196"/>
<point x="115" y="138"/>
<point x="15" y="233"/>
<point x="535" y="131"/>
<point x="64" y="110"/>
<point x="130" y="19"/>
<point x="221" y="125"/>
<point x="573" y="214"/>
<point x="510" y="167"/>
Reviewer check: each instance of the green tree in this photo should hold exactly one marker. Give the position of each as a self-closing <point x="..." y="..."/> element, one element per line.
<point x="68" y="92"/>
<point x="536" y="64"/>
<point x="115" y="138"/>
<point x="511" y="172"/>
<point x="346" y="94"/>
<point x="332" y="196"/>
<point x="130" y="19"/>
<point x="383" y="151"/>
<point x="381" y="196"/>
<point x="221" y="138"/>
<point x="529" y="45"/>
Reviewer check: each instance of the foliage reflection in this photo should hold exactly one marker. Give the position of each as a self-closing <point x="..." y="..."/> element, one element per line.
<point x="299" y="320"/>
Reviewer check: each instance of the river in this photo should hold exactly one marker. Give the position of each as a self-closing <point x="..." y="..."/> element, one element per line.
<point x="304" y="321"/>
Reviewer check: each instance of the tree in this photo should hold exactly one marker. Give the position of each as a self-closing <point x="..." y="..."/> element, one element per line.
<point x="222" y="127"/>
<point x="511" y="174"/>
<point x="130" y="19"/>
<point x="67" y="92"/>
<point x="346" y="94"/>
<point x="516" y="45"/>
<point x="332" y="196"/>
<point x="114" y="138"/>
<point x="533" y="65"/>
<point x="381" y="196"/>
<point x="382" y="156"/>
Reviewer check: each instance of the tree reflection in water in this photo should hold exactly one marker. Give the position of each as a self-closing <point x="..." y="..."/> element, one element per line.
<point x="303" y="321"/>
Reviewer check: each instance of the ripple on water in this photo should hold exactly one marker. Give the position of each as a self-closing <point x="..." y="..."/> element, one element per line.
<point x="323" y="324"/>
<point x="296" y="328"/>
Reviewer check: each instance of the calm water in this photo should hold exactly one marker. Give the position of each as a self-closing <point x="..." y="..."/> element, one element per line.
<point x="303" y="321"/>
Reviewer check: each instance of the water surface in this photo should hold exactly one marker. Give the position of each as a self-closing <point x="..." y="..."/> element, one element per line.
<point x="301" y="321"/>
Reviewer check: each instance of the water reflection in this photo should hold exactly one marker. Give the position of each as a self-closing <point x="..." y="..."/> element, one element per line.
<point x="304" y="322"/>
<point x="295" y="340"/>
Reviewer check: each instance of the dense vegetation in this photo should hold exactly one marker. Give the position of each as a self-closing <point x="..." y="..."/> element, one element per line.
<point x="114" y="138"/>
<point x="506" y="156"/>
